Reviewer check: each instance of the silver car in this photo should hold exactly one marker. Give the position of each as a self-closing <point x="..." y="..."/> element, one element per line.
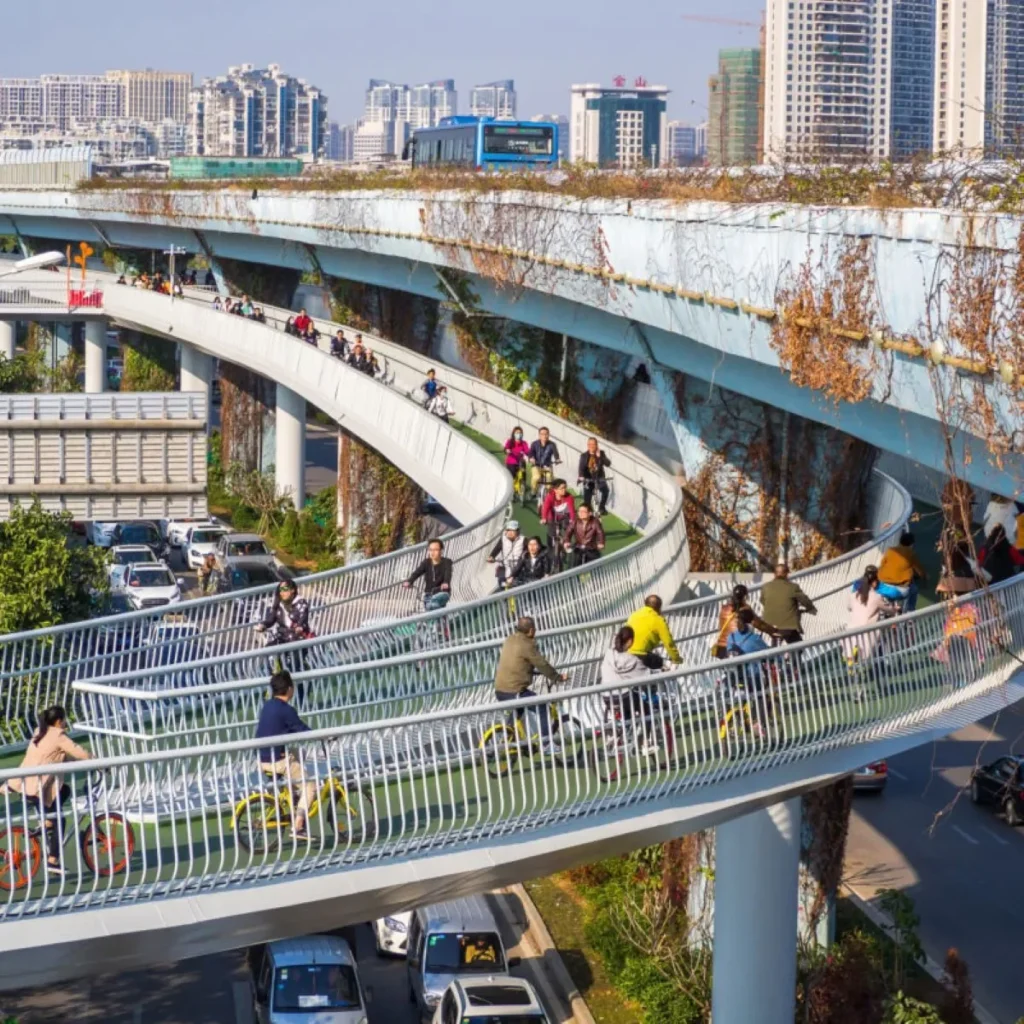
<point x="233" y="547"/>
<point x="312" y="980"/>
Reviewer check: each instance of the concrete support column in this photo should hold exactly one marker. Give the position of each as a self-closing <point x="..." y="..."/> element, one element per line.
<point x="95" y="356"/>
<point x="196" y="370"/>
<point x="290" y="447"/>
<point x="7" y="334"/>
<point x="757" y="860"/>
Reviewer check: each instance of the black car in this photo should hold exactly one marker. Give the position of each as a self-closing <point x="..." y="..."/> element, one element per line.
<point x="1001" y="784"/>
<point x="142" y="531"/>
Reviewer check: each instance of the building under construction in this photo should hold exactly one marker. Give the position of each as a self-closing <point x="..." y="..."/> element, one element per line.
<point x="735" y="105"/>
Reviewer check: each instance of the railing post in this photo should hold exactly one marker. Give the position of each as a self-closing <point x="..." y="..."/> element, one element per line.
<point x="757" y="859"/>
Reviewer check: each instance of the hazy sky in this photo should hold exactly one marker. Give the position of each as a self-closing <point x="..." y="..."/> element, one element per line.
<point x="545" y="45"/>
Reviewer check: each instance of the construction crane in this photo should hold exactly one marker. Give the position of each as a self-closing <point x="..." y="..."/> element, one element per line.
<point x="709" y="19"/>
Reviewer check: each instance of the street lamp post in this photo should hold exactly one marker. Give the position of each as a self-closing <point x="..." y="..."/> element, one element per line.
<point x="175" y="250"/>
<point x="44" y="259"/>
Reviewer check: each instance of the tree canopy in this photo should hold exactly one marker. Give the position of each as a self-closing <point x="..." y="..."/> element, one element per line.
<point x="45" y="579"/>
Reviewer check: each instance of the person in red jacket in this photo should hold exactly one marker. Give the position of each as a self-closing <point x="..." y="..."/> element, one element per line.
<point x="558" y="513"/>
<point x="302" y="323"/>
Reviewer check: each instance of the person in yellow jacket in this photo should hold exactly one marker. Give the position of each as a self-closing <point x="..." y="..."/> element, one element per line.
<point x="650" y="630"/>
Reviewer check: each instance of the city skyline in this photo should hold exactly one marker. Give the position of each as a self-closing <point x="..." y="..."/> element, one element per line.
<point x="427" y="49"/>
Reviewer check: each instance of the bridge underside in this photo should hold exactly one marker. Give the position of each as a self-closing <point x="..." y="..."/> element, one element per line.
<point x="36" y="951"/>
<point x="905" y="433"/>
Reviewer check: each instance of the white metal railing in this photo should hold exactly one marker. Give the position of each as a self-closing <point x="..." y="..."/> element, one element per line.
<point x="37" y="668"/>
<point x="54" y="294"/>
<point x="178" y="822"/>
<point x="434" y="658"/>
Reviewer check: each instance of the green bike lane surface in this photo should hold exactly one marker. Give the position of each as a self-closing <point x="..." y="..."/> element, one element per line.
<point x="416" y="812"/>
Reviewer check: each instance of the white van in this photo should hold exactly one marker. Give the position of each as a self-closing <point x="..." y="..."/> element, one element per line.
<point x="452" y="940"/>
<point x="315" y="975"/>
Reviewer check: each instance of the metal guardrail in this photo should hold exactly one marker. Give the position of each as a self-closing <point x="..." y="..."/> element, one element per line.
<point x="181" y="822"/>
<point x="415" y="669"/>
<point x="37" y="668"/>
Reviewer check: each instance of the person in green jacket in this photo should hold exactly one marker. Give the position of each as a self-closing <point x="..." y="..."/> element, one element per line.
<point x="782" y="604"/>
<point x="518" y="662"/>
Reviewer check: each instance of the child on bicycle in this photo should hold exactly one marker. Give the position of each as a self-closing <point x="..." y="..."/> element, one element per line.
<point x="50" y="745"/>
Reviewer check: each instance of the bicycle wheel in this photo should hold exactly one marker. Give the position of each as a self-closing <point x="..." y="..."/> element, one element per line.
<point x="500" y="747"/>
<point x="20" y="857"/>
<point x="108" y="844"/>
<point x="609" y="755"/>
<point x="257" y="823"/>
<point x="348" y="813"/>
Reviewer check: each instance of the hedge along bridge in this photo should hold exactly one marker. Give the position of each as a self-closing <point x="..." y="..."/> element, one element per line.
<point x="693" y="287"/>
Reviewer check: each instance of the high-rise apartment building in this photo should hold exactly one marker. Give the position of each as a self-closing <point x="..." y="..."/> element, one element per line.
<point x="431" y="101"/>
<point x="851" y="80"/>
<point x="257" y="112"/>
<point x="1004" y="78"/>
<point x="959" y="77"/>
<point x="154" y="96"/>
<point x="619" y="126"/>
<point x="21" y="99"/>
<point x="682" y="144"/>
<point x="495" y="99"/>
<point x="80" y="99"/>
<point x="339" y="142"/>
<point x="734" y="108"/>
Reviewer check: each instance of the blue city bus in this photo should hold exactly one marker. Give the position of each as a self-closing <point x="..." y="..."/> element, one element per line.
<point x="486" y="144"/>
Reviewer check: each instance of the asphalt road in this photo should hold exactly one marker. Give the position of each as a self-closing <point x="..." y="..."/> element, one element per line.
<point x="960" y="863"/>
<point x="211" y="990"/>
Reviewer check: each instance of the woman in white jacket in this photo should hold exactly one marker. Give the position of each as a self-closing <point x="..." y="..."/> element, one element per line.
<point x="619" y="666"/>
<point x="865" y="605"/>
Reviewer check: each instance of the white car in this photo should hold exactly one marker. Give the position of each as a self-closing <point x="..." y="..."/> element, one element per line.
<point x="392" y="934"/>
<point x="100" y="534"/>
<point x="199" y="541"/>
<point x="151" y="585"/>
<point x="124" y="555"/>
<point x="176" y="529"/>
<point x="490" y="999"/>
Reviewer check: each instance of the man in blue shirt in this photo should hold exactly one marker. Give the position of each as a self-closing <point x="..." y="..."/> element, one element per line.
<point x="279" y="718"/>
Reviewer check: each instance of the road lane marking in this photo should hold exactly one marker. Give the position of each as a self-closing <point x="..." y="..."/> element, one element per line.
<point x="969" y="838"/>
<point x="242" y="993"/>
<point x="999" y="839"/>
<point x="899" y="775"/>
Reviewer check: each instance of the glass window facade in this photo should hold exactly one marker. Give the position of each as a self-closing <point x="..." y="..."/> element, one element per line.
<point x="913" y="62"/>
<point x="629" y="128"/>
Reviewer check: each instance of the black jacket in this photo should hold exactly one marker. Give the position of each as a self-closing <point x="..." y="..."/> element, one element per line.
<point x="531" y="569"/>
<point x="433" y="575"/>
<point x="597" y="473"/>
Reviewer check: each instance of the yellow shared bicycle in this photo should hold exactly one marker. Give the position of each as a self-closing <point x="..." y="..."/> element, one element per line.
<point x="337" y="812"/>
<point x="505" y="742"/>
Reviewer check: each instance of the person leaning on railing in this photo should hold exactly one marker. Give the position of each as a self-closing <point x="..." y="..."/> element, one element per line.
<point x="50" y="745"/>
<point x="650" y="631"/>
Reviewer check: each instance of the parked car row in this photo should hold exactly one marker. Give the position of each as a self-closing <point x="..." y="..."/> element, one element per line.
<point x="457" y="966"/>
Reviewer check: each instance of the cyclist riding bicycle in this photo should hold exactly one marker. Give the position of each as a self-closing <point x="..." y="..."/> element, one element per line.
<point x="508" y="553"/>
<point x="899" y="573"/>
<point x="543" y="458"/>
<point x="436" y="571"/>
<point x="558" y="513"/>
<point x="536" y="563"/>
<point x="585" y="540"/>
<point x="519" y="661"/>
<point x="650" y="632"/>
<point x="728" y="616"/>
<point x="279" y="718"/>
<point x="517" y="453"/>
<point x="50" y="745"/>
<point x="621" y="665"/>
<point x="591" y="476"/>
<point x="286" y="619"/>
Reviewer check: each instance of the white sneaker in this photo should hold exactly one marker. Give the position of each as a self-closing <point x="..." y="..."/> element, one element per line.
<point x="649" y="750"/>
<point x="551" y="748"/>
